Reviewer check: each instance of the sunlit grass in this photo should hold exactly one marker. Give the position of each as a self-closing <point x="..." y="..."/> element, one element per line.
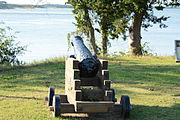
<point x="153" y="84"/>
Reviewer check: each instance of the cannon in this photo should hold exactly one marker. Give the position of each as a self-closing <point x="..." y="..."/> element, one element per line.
<point x="88" y="64"/>
<point x="87" y="86"/>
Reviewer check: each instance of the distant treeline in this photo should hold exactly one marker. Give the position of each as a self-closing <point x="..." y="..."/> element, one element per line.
<point x="4" y="5"/>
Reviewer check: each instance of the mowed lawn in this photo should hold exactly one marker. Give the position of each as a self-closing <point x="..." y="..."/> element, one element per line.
<point x="153" y="84"/>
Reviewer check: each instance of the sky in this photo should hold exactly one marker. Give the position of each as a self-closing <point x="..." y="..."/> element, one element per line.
<point x="36" y="1"/>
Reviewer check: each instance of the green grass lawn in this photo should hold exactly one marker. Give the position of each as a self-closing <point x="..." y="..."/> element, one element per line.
<point x="153" y="84"/>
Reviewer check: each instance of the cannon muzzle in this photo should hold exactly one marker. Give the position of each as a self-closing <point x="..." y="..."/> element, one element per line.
<point x="88" y="64"/>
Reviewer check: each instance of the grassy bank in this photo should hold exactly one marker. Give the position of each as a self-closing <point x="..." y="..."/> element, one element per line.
<point x="153" y="84"/>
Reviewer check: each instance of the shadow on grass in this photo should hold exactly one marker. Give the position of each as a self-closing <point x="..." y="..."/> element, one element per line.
<point x="32" y="90"/>
<point x="43" y="75"/>
<point x="52" y="74"/>
<point x="139" y="112"/>
<point x="132" y="74"/>
<point x="120" y="61"/>
<point x="17" y="97"/>
<point x="12" y="68"/>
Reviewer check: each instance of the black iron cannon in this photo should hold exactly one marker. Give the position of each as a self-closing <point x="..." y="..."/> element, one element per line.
<point x="87" y="86"/>
<point x="88" y="64"/>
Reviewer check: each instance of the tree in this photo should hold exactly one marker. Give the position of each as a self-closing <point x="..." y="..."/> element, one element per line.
<point x="105" y="16"/>
<point x="112" y="17"/>
<point x="9" y="49"/>
<point x="84" y="23"/>
<point x="103" y="13"/>
<point x="143" y="17"/>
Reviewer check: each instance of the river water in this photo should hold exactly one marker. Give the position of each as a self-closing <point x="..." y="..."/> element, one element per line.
<point x="45" y="31"/>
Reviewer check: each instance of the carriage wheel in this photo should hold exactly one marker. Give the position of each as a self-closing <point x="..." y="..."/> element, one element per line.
<point x="126" y="107"/>
<point x="113" y="95"/>
<point x="56" y="105"/>
<point x="50" y="95"/>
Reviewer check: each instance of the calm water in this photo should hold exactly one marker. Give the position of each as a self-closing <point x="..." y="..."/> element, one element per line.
<point x="45" y="32"/>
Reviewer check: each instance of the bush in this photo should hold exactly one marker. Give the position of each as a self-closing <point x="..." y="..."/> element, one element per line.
<point x="146" y="50"/>
<point x="9" y="48"/>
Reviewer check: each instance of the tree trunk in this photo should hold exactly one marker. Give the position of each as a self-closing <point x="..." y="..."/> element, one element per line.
<point x="90" y="34"/>
<point x="92" y="41"/>
<point x="135" y="36"/>
<point x="104" y="41"/>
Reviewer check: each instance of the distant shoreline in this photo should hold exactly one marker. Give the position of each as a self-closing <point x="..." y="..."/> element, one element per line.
<point x="17" y="6"/>
<point x="4" y="5"/>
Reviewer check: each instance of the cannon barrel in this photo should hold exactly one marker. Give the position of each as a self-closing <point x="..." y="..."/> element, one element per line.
<point x="88" y="64"/>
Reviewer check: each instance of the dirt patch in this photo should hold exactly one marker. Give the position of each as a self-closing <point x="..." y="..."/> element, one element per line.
<point x="93" y="116"/>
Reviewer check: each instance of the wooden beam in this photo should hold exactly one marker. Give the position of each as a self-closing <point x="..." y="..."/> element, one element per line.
<point x="94" y="81"/>
<point x="92" y="94"/>
<point x="73" y="96"/>
<point x="78" y="95"/>
<point x="65" y="108"/>
<point x="63" y="99"/>
<point x="107" y="84"/>
<point x="71" y="72"/>
<point x="117" y="108"/>
<point x="105" y="74"/>
<point x="95" y="107"/>
<point x="108" y="95"/>
<point x="72" y="63"/>
<point x="76" y="74"/>
<point x="104" y="64"/>
<point x="77" y="84"/>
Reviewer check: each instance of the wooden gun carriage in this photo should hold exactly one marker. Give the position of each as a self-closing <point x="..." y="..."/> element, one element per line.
<point x="87" y="95"/>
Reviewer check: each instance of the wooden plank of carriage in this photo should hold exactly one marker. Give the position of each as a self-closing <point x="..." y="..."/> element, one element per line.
<point x="104" y="64"/>
<point x="98" y="106"/>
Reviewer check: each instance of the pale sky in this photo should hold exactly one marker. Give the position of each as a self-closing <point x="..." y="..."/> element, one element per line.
<point x="36" y="1"/>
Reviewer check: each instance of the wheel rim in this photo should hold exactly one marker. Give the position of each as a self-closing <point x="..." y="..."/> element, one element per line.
<point x="50" y="95"/>
<point x="56" y="105"/>
<point x="113" y="95"/>
<point x="125" y="102"/>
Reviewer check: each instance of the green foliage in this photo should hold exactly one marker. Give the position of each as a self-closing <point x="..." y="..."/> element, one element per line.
<point x="174" y="3"/>
<point x="146" y="50"/>
<point x="147" y="7"/>
<point x="84" y="23"/>
<point x="69" y="41"/>
<point x="112" y="17"/>
<point x="79" y="8"/>
<point x="105" y="14"/>
<point x="142" y="16"/>
<point x="119" y="53"/>
<point x="9" y="48"/>
<point x="115" y="54"/>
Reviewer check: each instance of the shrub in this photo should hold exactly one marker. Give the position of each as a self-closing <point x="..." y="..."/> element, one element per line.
<point x="146" y="50"/>
<point x="9" y="48"/>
